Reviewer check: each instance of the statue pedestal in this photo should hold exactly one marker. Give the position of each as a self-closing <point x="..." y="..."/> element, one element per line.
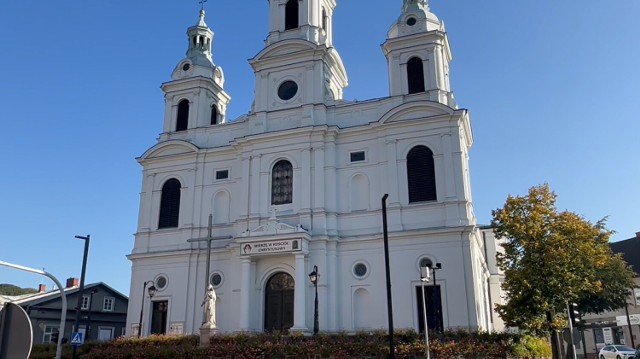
<point x="206" y="332"/>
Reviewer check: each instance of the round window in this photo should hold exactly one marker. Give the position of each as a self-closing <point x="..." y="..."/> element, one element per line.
<point x="161" y="282"/>
<point x="216" y="280"/>
<point x="360" y="270"/>
<point x="411" y="21"/>
<point x="287" y="90"/>
<point x="186" y="67"/>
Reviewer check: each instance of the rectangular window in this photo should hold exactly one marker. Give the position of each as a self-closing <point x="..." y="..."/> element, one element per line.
<point x="47" y="333"/>
<point x="598" y="335"/>
<point x="85" y="303"/>
<point x="223" y="174"/>
<point x="357" y="156"/>
<point x="108" y="304"/>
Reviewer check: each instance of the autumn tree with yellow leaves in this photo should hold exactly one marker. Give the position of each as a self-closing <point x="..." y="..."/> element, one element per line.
<point x="552" y="258"/>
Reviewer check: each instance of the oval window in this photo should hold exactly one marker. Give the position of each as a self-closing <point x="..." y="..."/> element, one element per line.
<point x="287" y="90"/>
<point x="411" y="21"/>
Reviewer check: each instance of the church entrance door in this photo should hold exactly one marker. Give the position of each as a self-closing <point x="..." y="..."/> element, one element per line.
<point x="278" y="307"/>
<point x="159" y="317"/>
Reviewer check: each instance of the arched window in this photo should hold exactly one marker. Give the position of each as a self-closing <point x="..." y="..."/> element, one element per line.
<point x="291" y="15"/>
<point x="421" y="175"/>
<point x="282" y="183"/>
<point x="415" y="75"/>
<point x="170" y="204"/>
<point x="183" y="115"/>
<point x="214" y="115"/>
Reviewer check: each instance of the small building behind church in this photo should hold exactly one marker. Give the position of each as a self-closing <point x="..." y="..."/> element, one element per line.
<point x="253" y="205"/>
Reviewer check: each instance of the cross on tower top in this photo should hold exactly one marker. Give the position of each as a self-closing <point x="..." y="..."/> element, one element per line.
<point x="201" y="2"/>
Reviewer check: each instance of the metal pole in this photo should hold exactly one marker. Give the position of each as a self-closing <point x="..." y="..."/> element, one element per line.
<point x="385" y="237"/>
<point x="209" y="238"/>
<point x="626" y="310"/>
<point x="63" y="297"/>
<point x="573" y="346"/>
<point x="84" y="268"/>
<point x="144" y="288"/>
<point x="316" y="324"/>
<point x="88" y="334"/>
<point x="426" y="324"/>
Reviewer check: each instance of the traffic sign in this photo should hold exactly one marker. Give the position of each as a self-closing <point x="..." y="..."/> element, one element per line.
<point x="77" y="339"/>
<point x="16" y="334"/>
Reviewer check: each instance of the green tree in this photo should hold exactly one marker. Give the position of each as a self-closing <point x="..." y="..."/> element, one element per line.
<point x="11" y="290"/>
<point x="551" y="258"/>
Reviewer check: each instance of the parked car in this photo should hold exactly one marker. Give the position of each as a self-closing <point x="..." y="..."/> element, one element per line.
<point x="617" y="352"/>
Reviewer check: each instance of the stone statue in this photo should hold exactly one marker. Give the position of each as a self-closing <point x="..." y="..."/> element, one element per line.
<point x="209" y="312"/>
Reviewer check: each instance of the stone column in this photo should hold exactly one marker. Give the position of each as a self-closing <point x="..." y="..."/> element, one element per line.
<point x="299" y="306"/>
<point x="245" y="296"/>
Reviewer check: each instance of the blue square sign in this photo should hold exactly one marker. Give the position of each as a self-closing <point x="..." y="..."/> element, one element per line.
<point x="77" y="339"/>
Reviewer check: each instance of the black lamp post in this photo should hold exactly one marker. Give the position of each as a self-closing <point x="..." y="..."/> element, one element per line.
<point x="434" y="268"/>
<point x="152" y="292"/>
<point x="313" y="277"/>
<point x="438" y="266"/>
<point x="88" y="334"/>
<point x="86" y="239"/>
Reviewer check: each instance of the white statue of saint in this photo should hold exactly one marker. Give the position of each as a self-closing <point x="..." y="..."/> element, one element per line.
<point x="209" y="312"/>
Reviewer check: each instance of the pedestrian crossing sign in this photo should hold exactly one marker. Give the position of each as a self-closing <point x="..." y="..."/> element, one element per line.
<point x="77" y="338"/>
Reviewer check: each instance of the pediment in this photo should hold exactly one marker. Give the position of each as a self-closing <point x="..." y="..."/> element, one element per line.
<point x="168" y="149"/>
<point x="416" y="110"/>
<point x="274" y="227"/>
<point x="284" y="48"/>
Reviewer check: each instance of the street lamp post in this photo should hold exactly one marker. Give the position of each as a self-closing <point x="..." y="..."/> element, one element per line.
<point x="152" y="292"/>
<point x="438" y="266"/>
<point x="88" y="334"/>
<point x="86" y="239"/>
<point x="424" y="277"/>
<point x="314" y="276"/>
<point x="433" y="269"/>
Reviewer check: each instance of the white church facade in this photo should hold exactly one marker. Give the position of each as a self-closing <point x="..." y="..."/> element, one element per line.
<point x="253" y="205"/>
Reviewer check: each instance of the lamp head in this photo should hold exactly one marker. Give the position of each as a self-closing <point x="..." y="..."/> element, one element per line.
<point x="152" y="290"/>
<point x="313" y="276"/>
<point x="438" y="266"/>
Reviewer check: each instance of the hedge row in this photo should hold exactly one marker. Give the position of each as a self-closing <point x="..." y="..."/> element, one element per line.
<point x="451" y="344"/>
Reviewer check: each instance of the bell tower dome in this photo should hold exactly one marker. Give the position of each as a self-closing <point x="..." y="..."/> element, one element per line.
<point x="195" y="96"/>
<point x="418" y="54"/>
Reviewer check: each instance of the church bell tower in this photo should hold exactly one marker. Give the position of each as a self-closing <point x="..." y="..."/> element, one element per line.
<point x="418" y="54"/>
<point x="298" y="66"/>
<point x="195" y="97"/>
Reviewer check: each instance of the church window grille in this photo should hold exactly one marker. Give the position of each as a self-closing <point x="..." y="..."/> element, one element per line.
<point x="358" y="156"/>
<point x="161" y="282"/>
<point x="282" y="183"/>
<point x="421" y="175"/>
<point x="170" y="204"/>
<point x="216" y="280"/>
<point x="291" y="14"/>
<point x="360" y="270"/>
<point x="222" y="174"/>
<point x="182" y="121"/>
<point x="415" y="75"/>
<point x="214" y="115"/>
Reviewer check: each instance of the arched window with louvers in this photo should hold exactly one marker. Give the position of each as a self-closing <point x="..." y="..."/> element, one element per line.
<point x="421" y="175"/>
<point x="170" y="204"/>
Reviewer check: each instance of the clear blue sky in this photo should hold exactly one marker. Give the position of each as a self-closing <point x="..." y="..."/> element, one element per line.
<point x="552" y="86"/>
